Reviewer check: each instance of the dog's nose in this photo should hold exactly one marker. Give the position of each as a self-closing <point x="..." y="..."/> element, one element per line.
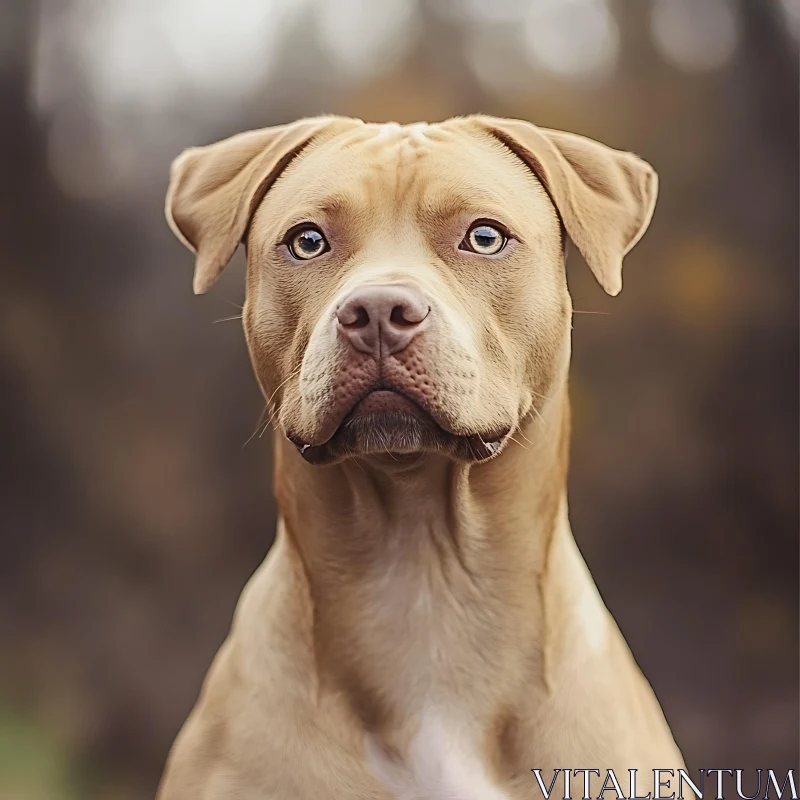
<point x="382" y="319"/>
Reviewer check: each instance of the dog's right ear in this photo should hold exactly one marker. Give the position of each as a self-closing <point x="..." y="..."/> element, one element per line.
<point x="215" y="190"/>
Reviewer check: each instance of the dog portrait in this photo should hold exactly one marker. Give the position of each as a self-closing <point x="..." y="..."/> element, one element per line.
<point x="401" y="400"/>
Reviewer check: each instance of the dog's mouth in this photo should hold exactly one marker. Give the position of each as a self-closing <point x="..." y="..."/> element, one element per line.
<point x="385" y="421"/>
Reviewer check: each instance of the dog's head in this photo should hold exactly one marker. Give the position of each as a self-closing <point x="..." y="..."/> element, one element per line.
<point x="406" y="288"/>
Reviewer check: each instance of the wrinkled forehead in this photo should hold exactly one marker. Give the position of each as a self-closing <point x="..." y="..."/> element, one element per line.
<point x="430" y="169"/>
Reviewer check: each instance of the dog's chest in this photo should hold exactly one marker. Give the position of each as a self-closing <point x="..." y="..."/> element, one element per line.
<point x="432" y="639"/>
<point x="441" y="763"/>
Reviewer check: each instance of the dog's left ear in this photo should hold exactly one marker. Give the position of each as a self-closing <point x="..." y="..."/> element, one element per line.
<point x="215" y="190"/>
<point x="605" y="197"/>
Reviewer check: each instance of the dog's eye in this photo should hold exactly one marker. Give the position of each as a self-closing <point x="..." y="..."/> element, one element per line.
<point x="484" y="239"/>
<point x="307" y="243"/>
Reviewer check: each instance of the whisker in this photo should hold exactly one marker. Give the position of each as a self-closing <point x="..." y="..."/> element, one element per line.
<point x="227" y="319"/>
<point x="602" y="313"/>
<point x="265" y="427"/>
<point x="294" y="373"/>
<point x="517" y="441"/>
<point x="263" y="424"/>
<point x="541" y="418"/>
<point x="258" y="427"/>
<point x="274" y="411"/>
<point x="272" y="414"/>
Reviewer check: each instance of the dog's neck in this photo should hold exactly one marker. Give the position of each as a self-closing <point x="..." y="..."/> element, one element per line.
<point x="428" y="577"/>
<point x="438" y="599"/>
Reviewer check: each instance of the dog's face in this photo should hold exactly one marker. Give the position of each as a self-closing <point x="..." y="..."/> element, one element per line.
<point x="406" y="287"/>
<point x="402" y="296"/>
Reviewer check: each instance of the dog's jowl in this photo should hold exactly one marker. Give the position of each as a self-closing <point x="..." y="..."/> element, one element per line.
<point x="424" y="625"/>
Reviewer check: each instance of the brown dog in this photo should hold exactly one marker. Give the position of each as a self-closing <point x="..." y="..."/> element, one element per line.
<point x="424" y="626"/>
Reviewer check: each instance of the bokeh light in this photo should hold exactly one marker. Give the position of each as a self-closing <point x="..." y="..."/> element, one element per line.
<point x="574" y="38"/>
<point x="791" y="11"/>
<point x="366" y="38"/>
<point x="696" y="36"/>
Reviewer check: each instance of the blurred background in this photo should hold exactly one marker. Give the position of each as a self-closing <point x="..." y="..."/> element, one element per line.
<point x="132" y="510"/>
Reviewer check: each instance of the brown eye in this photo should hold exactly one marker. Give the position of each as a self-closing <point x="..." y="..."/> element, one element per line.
<point x="307" y="243"/>
<point x="484" y="239"/>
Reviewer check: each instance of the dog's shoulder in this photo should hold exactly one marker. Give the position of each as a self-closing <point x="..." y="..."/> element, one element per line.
<point x="222" y="750"/>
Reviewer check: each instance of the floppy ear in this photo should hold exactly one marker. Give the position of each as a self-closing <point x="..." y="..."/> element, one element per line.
<point x="605" y="197"/>
<point x="215" y="190"/>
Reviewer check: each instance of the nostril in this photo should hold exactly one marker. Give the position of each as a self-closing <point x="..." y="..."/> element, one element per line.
<point x="405" y="316"/>
<point x="398" y="316"/>
<point x="354" y="317"/>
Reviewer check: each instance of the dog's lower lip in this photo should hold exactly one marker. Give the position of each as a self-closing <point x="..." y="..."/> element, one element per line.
<point x="374" y="402"/>
<point x="480" y="447"/>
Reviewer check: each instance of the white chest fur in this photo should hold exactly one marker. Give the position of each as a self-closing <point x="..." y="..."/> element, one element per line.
<point x="441" y="764"/>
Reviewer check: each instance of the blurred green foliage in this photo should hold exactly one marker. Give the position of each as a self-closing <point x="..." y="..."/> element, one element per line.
<point x="33" y="765"/>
